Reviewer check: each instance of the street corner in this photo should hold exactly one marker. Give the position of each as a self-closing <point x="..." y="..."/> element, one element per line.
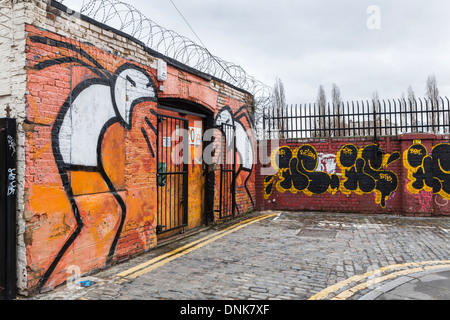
<point x="378" y="283"/>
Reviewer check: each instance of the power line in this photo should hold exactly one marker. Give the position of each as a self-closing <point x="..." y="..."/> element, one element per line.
<point x="200" y="40"/>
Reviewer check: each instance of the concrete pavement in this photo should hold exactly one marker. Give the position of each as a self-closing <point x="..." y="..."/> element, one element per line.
<point x="428" y="285"/>
<point x="285" y="256"/>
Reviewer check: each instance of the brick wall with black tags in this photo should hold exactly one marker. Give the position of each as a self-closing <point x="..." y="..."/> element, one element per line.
<point x="402" y="175"/>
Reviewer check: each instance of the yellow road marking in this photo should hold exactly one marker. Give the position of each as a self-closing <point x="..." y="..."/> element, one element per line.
<point x="164" y="256"/>
<point x="349" y="293"/>
<point x="414" y="268"/>
<point x="436" y="267"/>
<point x="148" y="266"/>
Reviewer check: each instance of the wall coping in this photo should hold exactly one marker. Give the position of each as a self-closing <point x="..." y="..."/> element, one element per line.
<point x="417" y="136"/>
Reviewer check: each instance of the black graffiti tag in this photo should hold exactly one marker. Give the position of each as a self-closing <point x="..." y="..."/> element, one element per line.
<point x="429" y="172"/>
<point x="441" y="170"/>
<point x="297" y="173"/>
<point x="11" y="145"/>
<point x="12" y="184"/>
<point x="363" y="174"/>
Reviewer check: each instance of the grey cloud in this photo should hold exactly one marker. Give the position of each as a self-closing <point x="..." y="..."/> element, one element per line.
<point x="312" y="42"/>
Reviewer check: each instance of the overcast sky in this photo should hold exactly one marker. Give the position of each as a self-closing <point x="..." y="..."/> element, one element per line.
<point x="308" y="43"/>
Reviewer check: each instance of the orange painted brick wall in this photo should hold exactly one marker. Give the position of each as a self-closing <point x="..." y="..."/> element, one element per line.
<point x="90" y="181"/>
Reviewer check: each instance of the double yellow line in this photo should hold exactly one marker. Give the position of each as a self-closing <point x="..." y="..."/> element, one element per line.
<point x="377" y="277"/>
<point x="153" y="264"/>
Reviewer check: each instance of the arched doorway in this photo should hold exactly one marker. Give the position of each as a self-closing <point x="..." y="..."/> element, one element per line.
<point x="182" y="176"/>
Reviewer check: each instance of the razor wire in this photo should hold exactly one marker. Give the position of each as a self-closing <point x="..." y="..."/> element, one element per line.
<point x="128" y="19"/>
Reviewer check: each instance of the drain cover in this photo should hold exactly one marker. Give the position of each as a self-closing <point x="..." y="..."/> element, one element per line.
<point x="317" y="233"/>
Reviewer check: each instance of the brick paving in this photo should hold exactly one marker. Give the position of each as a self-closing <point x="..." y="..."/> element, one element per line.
<point x="290" y="257"/>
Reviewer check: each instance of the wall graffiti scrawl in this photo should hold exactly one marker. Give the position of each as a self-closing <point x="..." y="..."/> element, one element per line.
<point x="243" y="139"/>
<point x="428" y="172"/>
<point x="103" y="100"/>
<point x="91" y="140"/>
<point x="363" y="172"/>
<point x="296" y="172"/>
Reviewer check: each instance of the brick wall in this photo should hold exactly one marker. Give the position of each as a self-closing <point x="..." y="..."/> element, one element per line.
<point x="406" y="175"/>
<point x="13" y="15"/>
<point x="87" y="177"/>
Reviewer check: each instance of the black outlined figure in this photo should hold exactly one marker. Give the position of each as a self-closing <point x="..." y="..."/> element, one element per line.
<point x="77" y="134"/>
<point x="244" y="144"/>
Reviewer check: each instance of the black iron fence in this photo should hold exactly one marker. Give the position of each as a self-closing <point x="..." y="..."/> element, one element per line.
<point x="358" y="119"/>
<point x="228" y="172"/>
<point x="172" y="176"/>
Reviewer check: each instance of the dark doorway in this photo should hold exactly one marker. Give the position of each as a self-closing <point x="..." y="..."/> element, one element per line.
<point x="8" y="188"/>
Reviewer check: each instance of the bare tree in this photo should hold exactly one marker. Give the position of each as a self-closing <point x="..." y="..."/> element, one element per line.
<point x="376" y="111"/>
<point x="280" y="106"/>
<point x="375" y="97"/>
<point x="433" y="96"/>
<point x="403" y="111"/>
<point x="413" y="108"/>
<point x="321" y="105"/>
<point x="337" y="102"/>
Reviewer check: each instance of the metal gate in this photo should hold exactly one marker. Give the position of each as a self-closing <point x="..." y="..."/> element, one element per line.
<point x="172" y="174"/>
<point x="228" y="172"/>
<point x="8" y="186"/>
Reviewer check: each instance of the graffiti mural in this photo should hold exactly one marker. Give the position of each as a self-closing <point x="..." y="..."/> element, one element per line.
<point x="91" y="154"/>
<point x="327" y="163"/>
<point x="430" y="173"/>
<point x="88" y="136"/>
<point x="297" y="172"/>
<point x="363" y="172"/>
<point x="244" y="146"/>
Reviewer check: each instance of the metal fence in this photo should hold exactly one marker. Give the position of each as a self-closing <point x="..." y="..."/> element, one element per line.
<point x="357" y="119"/>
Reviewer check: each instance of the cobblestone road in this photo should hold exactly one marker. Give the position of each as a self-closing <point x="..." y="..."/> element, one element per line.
<point x="287" y="256"/>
